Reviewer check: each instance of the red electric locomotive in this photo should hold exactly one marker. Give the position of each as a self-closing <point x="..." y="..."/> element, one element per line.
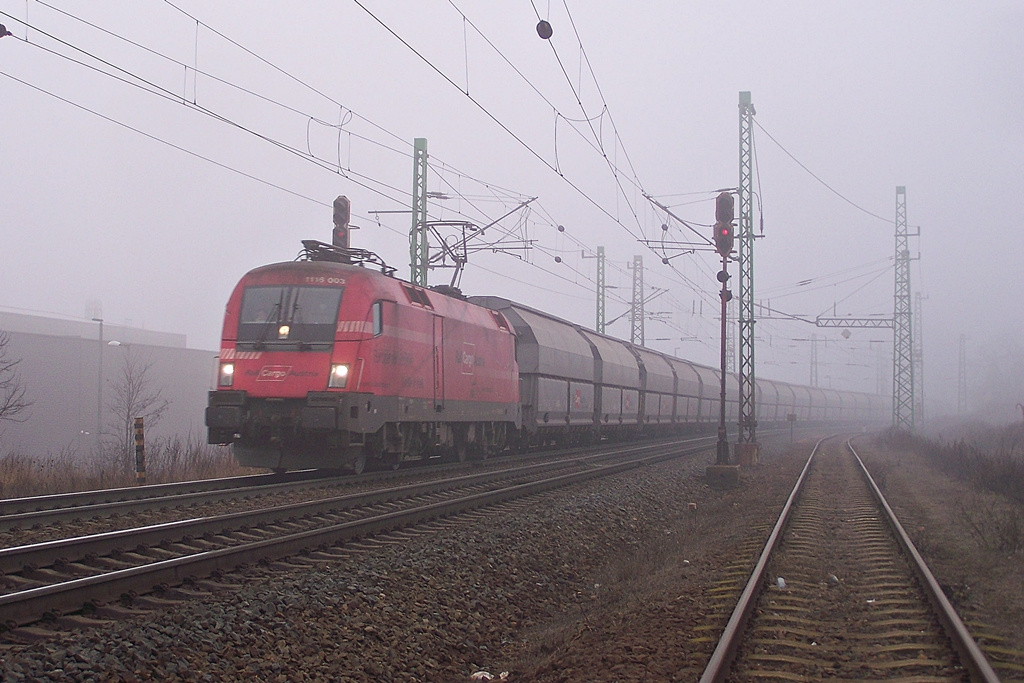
<point x="328" y="363"/>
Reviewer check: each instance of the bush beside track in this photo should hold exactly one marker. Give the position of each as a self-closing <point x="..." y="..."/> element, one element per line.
<point x="167" y="460"/>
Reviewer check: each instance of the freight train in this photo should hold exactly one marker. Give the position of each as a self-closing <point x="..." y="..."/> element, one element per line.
<point x="330" y="361"/>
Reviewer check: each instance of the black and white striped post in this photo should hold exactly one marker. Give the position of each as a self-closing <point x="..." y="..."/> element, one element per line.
<point x="140" y="453"/>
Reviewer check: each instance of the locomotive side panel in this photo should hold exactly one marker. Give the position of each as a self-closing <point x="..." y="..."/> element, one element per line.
<point x="318" y="357"/>
<point x="477" y="362"/>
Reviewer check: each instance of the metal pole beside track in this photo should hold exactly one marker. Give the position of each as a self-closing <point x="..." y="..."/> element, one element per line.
<point x="140" y="452"/>
<point x="723" y="439"/>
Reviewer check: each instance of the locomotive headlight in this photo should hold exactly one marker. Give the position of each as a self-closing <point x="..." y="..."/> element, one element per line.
<point x="339" y="376"/>
<point x="283" y="332"/>
<point x="226" y="376"/>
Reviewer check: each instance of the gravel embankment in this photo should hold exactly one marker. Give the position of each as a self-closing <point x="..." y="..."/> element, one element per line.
<point x="610" y="581"/>
<point x="467" y="596"/>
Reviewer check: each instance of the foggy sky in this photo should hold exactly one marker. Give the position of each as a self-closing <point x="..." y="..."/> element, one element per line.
<point x="867" y="96"/>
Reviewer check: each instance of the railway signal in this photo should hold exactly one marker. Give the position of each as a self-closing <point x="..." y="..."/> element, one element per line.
<point x="723" y="224"/>
<point x="342" y="212"/>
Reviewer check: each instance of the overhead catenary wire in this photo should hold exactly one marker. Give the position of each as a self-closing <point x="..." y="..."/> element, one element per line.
<point x="590" y="120"/>
<point x="591" y="200"/>
<point x="166" y="142"/>
<point x="146" y="85"/>
<point x="390" y="192"/>
<point x="821" y="283"/>
<point x="551" y="166"/>
<point x="818" y="178"/>
<point x="348" y="113"/>
<point x="167" y="94"/>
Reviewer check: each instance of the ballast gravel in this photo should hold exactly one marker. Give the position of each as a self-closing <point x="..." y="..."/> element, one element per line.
<point x="606" y="581"/>
<point x="436" y="604"/>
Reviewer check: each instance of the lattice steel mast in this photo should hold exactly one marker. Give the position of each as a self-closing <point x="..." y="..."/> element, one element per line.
<point x="748" y="412"/>
<point x="903" y="337"/>
<point x="600" y="291"/>
<point x="636" y="313"/>
<point x="918" y="359"/>
<point x="418" y="256"/>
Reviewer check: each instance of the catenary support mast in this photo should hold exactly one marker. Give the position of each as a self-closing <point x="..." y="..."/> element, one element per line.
<point x="903" y="342"/>
<point x="600" y="291"/>
<point x="636" y="316"/>
<point x="418" y="256"/>
<point x="918" y="359"/>
<point x="748" y="412"/>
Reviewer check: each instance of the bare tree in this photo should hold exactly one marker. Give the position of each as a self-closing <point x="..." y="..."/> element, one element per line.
<point x="133" y="395"/>
<point x="13" y="401"/>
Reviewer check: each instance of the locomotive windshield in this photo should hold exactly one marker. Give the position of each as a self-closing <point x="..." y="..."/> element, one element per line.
<point x="286" y="315"/>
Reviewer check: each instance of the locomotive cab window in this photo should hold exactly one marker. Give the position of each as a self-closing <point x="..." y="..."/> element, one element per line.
<point x="500" y="320"/>
<point x="417" y="296"/>
<point x="378" y="318"/>
<point x="288" y="316"/>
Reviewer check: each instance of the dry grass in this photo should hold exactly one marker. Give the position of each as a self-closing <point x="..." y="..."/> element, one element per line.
<point x="167" y="460"/>
<point x="991" y="460"/>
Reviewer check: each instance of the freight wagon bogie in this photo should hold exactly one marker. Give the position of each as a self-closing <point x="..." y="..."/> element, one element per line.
<point x="397" y="442"/>
<point x="329" y="434"/>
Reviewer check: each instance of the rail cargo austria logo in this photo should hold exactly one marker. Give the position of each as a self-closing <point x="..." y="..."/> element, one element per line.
<point x="273" y="373"/>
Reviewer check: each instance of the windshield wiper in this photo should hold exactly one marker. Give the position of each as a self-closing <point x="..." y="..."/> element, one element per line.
<point x="271" y="318"/>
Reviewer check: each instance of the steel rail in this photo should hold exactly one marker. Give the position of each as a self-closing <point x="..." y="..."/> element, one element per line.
<point x="68" y="514"/>
<point x="68" y="550"/>
<point x="971" y="655"/>
<point x="105" y="502"/>
<point x="26" y="606"/>
<point x="58" y="501"/>
<point x="718" y="666"/>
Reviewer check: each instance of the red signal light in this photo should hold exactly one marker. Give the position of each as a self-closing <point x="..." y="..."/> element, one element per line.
<point x="723" y="223"/>
<point x="723" y="238"/>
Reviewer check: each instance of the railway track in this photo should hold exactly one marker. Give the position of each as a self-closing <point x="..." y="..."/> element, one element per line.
<point x="840" y="592"/>
<point x="85" y="499"/>
<point x="47" y="518"/>
<point x="40" y="512"/>
<point x="44" y="581"/>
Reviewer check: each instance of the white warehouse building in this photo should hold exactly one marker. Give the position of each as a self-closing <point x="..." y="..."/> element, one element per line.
<point x="61" y="372"/>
